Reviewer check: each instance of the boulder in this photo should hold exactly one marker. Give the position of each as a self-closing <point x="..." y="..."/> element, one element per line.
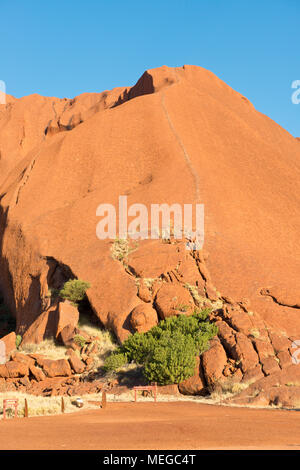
<point x="67" y="314"/>
<point x="173" y="299"/>
<point x="66" y="336"/>
<point x="58" y="368"/>
<point x="23" y="358"/>
<point x="8" y="344"/>
<point x="3" y="371"/>
<point x="76" y="364"/>
<point x="196" y="384"/>
<point x="211" y="292"/>
<point x="244" y="352"/>
<point x="37" y="373"/>
<point x="45" y="326"/>
<point x="143" y="318"/>
<point x="213" y="362"/>
<point x="144" y="293"/>
<point x="226" y="335"/>
<point x="238" y="319"/>
<point x="280" y="388"/>
<point x="16" y="369"/>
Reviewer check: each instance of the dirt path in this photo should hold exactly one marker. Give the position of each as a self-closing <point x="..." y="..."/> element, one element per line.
<point x="156" y="426"/>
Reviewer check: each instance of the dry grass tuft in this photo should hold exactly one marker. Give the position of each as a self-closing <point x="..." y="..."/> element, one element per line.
<point x="122" y="247"/>
<point x="227" y="389"/>
<point x="49" y="348"/>
<point x="43" y="406"/>
<point x="200" y="301"/>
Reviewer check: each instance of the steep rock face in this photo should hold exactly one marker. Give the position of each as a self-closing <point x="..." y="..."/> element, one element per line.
<point x="180" y="135"/>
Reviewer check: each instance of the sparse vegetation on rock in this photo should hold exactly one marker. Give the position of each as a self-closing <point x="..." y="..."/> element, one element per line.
<point x="18" y="340"/>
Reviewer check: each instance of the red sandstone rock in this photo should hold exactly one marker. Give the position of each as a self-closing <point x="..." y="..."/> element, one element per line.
<point x="253" y="374"/>
<point x="279" y="342"/>
<point x="213" y="362"/>
<point x="9" y="342"/>
<point x="284" y="359"/>
<point x="280" y="388"/>
<point x="23" y="358"/>
<point x="270" y="365"/>
<point x="211" y="292"/>
<point x="143" y="318"/>
<point x="16" y="369"/>
<point x="227" y="336"/>
<point x="196" y="384"/>
<point x="58" y="368"/>
<point x="244" y="352"/>
<point x="76" y="364"/>
<point x="66" y="336"/>
<point x="37" y="373"/>
<point x="43" y="327"/>
<point x="67" y="314"/>
<point x="43" y="209"/>
<point x="38" y="211"/>
<point x="144" y="293"/>
<point x="190" y="274"/>
<point x="3" y="371"/>
<point x="238" y="319"/>
<point x="264" y="349"/>
<point x="173" y="299"/>
<point x="154" y="259"/>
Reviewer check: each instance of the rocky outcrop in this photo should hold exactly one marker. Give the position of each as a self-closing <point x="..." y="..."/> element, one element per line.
<point x="44" y="194"/>
<point x="37" y="374"/>
<point x="70" y="156"/>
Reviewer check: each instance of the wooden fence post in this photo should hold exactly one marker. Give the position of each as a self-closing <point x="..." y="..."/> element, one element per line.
<point x="103" y="405"/>
<point x="26" y="409"/>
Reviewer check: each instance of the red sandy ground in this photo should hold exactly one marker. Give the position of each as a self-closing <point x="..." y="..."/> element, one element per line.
<point x="152" y="426"/>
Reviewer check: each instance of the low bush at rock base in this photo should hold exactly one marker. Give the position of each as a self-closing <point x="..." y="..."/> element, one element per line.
<point x="168" y="351"/>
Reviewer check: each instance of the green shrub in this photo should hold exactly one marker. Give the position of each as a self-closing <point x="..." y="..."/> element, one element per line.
<point x="18" y="340"/>
<point x="168" y="351"/>
<point x="172" y="360"/>
<point x="74" y="290"/>
<point x="115" y="361"/>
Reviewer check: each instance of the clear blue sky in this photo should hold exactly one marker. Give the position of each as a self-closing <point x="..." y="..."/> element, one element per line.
<point x="66" y="47"/>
